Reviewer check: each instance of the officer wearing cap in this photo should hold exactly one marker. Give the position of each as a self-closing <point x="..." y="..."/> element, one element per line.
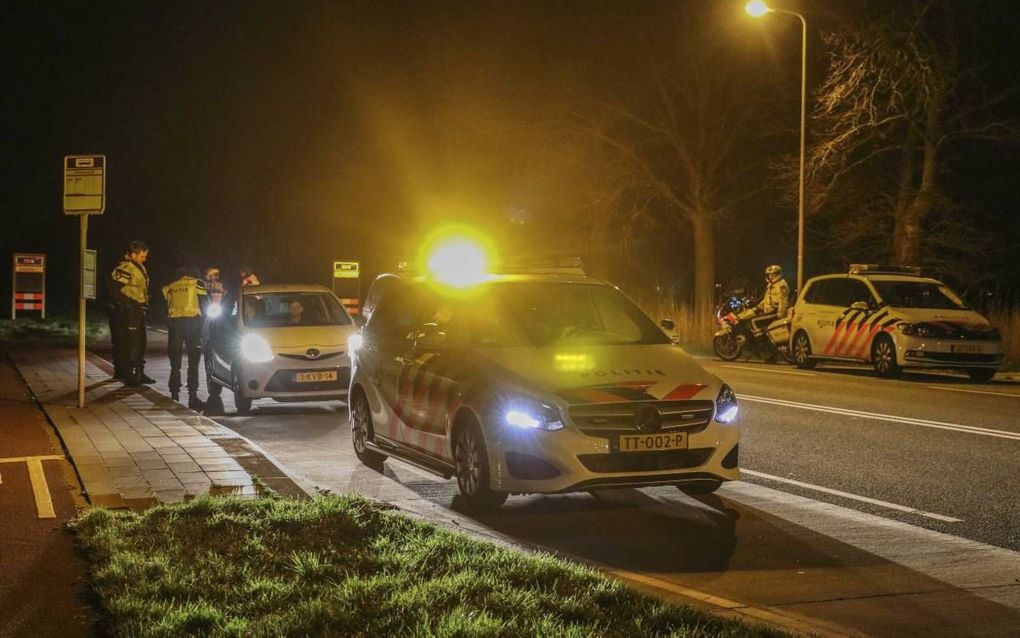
<point x="129" y="294"/>
<point x="185" y="298"/>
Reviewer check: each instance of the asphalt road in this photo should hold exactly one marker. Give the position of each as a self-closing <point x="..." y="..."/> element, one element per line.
<point x="869" y="506"/>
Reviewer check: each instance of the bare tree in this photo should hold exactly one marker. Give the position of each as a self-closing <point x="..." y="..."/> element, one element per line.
<point x="670" y="144"/>
<point x="898" y="95"/>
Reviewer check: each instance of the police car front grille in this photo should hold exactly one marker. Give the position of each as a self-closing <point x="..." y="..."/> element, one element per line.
<point x="611" y="419"/>
<point x="645" y="461"/>
<point x="285" y="381"/>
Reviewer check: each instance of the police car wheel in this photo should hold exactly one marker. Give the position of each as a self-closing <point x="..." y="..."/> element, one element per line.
<point x="472" y="465"/>
<point x="981" y="374"/>
<point x="802" y="352"/>
<point x="361" y="431"/>
<point x="883" y="357"/>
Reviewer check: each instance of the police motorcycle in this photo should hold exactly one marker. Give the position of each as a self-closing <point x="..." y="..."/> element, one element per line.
<point x="738" y="336"/>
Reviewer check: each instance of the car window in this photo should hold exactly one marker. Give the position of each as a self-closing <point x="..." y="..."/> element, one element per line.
<point x="816" y="290"/>
<point x="398" y="313"/>
<point x="280" y="309"/>
<point x="858" y="291"/>
<point x="918" y="294"/>
<point x="835" y="293"/>
<point x="379" y="289"/>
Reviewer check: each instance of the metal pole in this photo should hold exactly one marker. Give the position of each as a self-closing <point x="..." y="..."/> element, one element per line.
<point x="803" y="133"/>
<point x="81" y="310"/>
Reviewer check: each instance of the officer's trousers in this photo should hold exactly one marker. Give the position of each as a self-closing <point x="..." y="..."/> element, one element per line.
<point x="134" y="338"/>
<point x="184" y="332"/>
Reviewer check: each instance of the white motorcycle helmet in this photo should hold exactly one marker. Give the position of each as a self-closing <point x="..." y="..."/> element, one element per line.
<point x="773" y="273"/>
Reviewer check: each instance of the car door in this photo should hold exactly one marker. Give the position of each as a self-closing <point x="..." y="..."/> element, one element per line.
<point x="809" y="314"/>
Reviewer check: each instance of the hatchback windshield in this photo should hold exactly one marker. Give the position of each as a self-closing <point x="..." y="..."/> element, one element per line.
<point x="279" y="309"/>
<point x="917" y="294"/>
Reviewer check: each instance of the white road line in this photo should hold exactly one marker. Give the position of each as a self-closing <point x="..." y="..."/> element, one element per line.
<point x="997" y="394"/>
<point x="763" y="369"/>
<point x="939" y="425"/>
<point x="863" y="499"/>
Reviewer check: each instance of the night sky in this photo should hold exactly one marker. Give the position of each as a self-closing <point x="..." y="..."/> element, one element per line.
<point x="287" y="134"/>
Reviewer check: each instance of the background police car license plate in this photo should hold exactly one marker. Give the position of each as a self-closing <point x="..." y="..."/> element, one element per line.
<point x="652" y="442"/>
<point x="312" y="377"/>
<point x="965" y="349"/>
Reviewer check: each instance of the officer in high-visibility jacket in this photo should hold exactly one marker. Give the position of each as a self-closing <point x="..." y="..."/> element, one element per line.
<point x="185" y="300"/>
<point x="129" y="298"/>
<point x="776" y="301"/>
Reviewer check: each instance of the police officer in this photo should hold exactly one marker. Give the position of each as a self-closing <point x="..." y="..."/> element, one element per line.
<point x="185" y="298"/>
<point x="213" y="285"/>
<point x="776" y="300"/>
<point x="130" y="295"/>
<point x="115" y="314"/>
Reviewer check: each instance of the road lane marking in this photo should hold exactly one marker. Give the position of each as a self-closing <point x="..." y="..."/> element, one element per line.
<point x="939" y="425"/>
<point x="799" y="374"/>
<point x="43" y="503"/>
<point x="856" y="497"/>
<point x="36" y="475"/>
<point x="998" y="394"/>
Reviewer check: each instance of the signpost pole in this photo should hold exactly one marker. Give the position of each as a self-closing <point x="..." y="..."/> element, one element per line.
<point x="81" y="310"/>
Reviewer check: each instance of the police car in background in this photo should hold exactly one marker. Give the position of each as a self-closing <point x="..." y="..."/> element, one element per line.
<point x="534" y="381"/>
<point x="892" y="318"/>
<point x="281" y="342"/>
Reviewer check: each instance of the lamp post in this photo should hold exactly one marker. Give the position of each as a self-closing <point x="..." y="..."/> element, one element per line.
<point x="758" y="8"/>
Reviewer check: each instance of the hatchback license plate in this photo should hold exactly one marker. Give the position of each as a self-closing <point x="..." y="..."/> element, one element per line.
<point x="313" y="377"/>
<point x="652" y="442"/>
<point x="967" y="349"/>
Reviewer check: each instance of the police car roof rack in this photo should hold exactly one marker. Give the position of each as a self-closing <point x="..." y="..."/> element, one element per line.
<point x="877" y="269"/>
<point x="559" y="265"/>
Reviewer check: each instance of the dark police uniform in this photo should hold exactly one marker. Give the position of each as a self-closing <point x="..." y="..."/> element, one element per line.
<point x="184" y="298"/>
<point x="129" y="301"/>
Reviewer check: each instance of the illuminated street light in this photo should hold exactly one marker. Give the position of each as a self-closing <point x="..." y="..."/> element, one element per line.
<point x="758" y="8"/>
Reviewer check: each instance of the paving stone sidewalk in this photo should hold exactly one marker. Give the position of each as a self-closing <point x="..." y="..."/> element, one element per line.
<point x="134" y="447"/>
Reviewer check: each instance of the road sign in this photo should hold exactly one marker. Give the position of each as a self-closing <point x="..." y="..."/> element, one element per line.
<point x="29" y="284"/>
<point x="84" y="184"/>
<point x="345" y="270"/>
<point x="88" y="275"/>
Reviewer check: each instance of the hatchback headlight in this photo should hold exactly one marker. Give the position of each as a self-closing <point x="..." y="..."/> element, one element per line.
<point x="214" y="310"/>
<point x="255" y="348"/>
<point x="529" y="414"/>
<point x="726" y="405"/>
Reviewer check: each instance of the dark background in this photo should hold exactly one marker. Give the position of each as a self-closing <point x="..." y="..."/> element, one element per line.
<point x="287" y="134"/>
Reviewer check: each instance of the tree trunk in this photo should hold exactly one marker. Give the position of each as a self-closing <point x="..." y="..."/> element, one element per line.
<point x="703" y="227"/>
<point x="908" y="224"/>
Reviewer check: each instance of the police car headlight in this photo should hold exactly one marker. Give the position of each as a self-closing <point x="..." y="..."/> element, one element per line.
<point x="214" y="310"/>
<point x="529" y="414"/>
<point x="256" y="349"/>
<point x="726" y="405"/>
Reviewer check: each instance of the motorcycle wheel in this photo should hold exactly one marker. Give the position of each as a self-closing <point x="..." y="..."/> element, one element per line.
<point x="726" y="347"/>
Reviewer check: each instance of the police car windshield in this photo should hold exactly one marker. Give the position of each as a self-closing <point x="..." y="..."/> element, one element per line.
<point x="918" y="294"/>
<point x="570" y="313"/>
<point x="289" y="309"/>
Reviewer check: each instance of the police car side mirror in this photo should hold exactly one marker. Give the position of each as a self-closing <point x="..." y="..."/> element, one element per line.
<point x="429" y="338"/>
<point x="861" y="305"/>
<point x="667" y="324"/>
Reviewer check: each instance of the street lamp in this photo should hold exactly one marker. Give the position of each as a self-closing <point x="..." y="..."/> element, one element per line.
<point x="758" y="8"/>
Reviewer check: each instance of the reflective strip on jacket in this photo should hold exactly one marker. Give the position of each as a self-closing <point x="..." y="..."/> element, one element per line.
<point x="776" y="299"/>
<point x="182" y="297"/>
<point x="131" y="281"/>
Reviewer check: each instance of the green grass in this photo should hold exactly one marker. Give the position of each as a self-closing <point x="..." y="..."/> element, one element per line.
<point x="346" y="566"/>
<point x="59" y="331"/>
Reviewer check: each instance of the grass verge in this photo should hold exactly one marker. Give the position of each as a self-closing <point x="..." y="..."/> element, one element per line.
<point x="341" y="565"/>
<point x="59" y="331"/>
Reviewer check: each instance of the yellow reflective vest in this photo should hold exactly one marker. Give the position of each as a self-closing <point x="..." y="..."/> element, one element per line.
<point x="776" y="299"/>
<point x="182" y="297"/>
<point x="131" y="281"/>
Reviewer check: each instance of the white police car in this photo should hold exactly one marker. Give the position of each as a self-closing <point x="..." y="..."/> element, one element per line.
<point x="282" y="342"/>
<point x="892" y="318"/>
<point x="535" y="383"/>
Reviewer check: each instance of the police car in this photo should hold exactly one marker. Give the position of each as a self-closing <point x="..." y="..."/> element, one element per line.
<point x="282" y="342"/>
<point x="542" y="381"/>
<point x="892" y="318"/>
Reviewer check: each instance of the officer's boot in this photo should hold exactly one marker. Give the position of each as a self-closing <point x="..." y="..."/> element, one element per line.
<point x="144" y="378"/>
<point x="175" y="395"/>
<point x="194" y="403"/>
<point x="134" y="378"/>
